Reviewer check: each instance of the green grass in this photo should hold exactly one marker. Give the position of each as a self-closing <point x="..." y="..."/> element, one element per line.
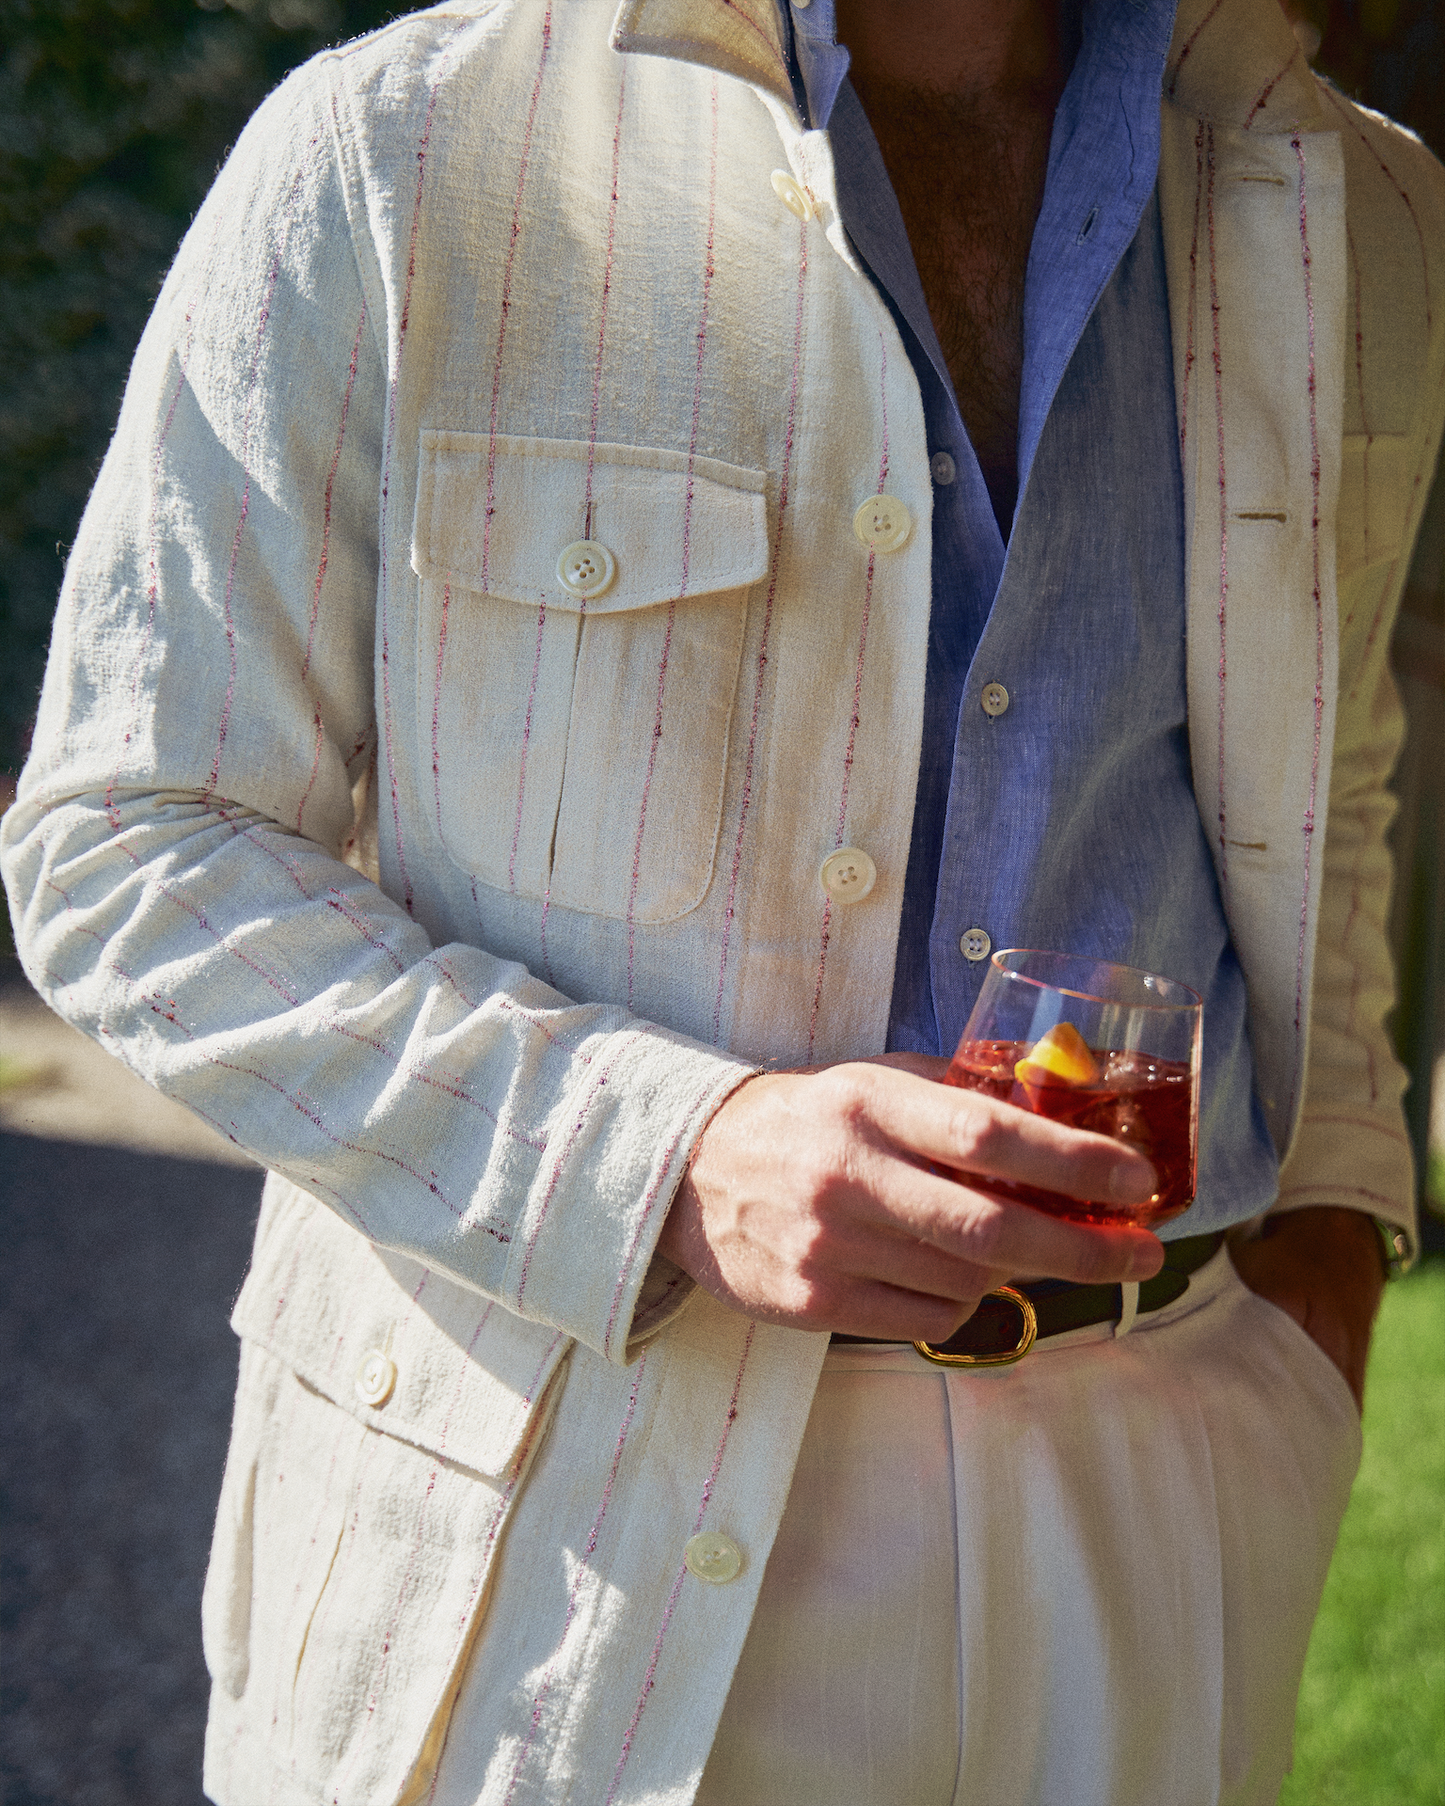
<point x="1371" y="1727"/>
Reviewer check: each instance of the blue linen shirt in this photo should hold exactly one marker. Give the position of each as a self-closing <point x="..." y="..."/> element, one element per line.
<point x="1069" y="819"/>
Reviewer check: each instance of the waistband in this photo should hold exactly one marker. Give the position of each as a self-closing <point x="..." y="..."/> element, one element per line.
<point x="1059" y="1305"/>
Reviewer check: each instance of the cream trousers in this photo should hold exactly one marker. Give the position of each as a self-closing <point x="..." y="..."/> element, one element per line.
<point x="1087" y="1580"/>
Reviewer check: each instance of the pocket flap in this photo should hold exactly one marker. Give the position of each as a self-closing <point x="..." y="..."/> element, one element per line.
<point x="675" y="525"/>
<point x="392" y="1342"/>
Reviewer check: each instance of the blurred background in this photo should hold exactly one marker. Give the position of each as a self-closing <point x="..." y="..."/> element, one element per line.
<point x="126" y="1225"/>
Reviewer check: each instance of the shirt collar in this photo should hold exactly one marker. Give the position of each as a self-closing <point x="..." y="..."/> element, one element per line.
<point x="1234" y="62"/>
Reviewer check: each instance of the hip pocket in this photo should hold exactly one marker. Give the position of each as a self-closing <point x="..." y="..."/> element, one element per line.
<point x="575" y="711"/>
<point x="385" y="1422"/>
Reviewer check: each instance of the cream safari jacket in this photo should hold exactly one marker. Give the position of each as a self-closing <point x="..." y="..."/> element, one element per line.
<point x="461" y="898"/>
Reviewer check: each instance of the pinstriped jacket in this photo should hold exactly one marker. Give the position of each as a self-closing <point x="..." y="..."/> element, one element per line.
<point x="462" y="901"/>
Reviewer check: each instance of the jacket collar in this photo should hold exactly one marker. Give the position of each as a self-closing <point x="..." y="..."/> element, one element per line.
<point x="739" y="37"/>
<point x="1232" y="62"/>
<point x="1238" y="63"/>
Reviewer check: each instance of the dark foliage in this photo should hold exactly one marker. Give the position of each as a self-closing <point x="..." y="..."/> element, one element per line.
<point x="114" y="117"/>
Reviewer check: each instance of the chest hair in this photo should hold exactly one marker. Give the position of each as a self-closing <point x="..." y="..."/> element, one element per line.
<point x="969" y="175"/>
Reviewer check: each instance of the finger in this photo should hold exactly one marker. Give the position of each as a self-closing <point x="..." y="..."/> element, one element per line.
<point x="997" y="1238"/>
<point x="973" y="1133"/>
<point x="897" y="1313"/>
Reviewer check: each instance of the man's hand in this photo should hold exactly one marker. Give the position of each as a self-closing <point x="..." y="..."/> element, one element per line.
<point x="1322" y="1266"/>
<point x="810" y="1201"/>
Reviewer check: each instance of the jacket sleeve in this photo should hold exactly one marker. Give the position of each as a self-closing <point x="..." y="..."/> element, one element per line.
<point x="1351" y="1148"/>
<point x="176" y="860"/>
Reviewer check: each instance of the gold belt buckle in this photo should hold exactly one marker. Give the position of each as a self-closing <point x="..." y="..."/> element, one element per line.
<point x="1025" y="1342"/>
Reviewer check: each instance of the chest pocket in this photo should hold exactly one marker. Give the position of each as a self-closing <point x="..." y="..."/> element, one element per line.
<point x="578" y="741"/>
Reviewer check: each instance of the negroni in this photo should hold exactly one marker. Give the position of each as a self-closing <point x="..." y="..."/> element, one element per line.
<point x="1130" y="1097"/>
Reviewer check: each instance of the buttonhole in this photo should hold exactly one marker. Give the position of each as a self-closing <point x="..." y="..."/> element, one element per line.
<point x="1250" y="846"/>
<point x="1088" y="225"/>
<point x="1273" y="181"/>
<point x="1260" y="514"/>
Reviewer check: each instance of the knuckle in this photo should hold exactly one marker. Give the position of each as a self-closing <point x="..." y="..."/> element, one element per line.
<point x="977" y="1136"/>
<point x="938" y="1320"/>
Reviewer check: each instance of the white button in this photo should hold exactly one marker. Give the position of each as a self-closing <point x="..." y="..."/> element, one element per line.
<point x="944" y="469"/>
<point x="974" y="944"/>
<point x="375" y="1378"/>
<point x="883" y="523"/>
<point x="994" y="699"/>
<point x="802" y="5"/>
<point x="713" y="1556"/>
<point x="792" y="194"/>
<point x="586" y="567"/>
<point x="848" y="875"/>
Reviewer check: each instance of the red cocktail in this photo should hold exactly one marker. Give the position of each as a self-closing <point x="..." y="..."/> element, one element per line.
<point x="1100" y="1047"/>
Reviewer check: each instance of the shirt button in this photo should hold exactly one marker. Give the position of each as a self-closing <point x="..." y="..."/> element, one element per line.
<point x="994" y="699"/>
<point x="586" y="568"/>
<point x="943" y="468"/>
<point x="375" y="1378"/>
<point x="712" y="1556"/>
<point x="974" y="944"/>
<point x="792" y="194"/>
<point x="883" y="523"/>
<point x="847" y="875"/>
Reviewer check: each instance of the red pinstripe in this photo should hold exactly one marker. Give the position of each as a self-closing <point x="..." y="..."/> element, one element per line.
<point x="1308" y="826"/>
<point x="1262" y="98"/>
<point x="854" y="718"/>
<point x="662" y="1629"/>
<point x="491" y="508"/>
<point x="516" y="233"/>
<point x="784" y="493"/>
<point x="708" y="267"/>
<point x="225" y="723"/>
<point x="606" y="1073"/>
<point x="383" y="536"/>
<point x="324" y="559"/>
<point x="1360" y="388"/>
<point x="484" y="1563"/>
<point x="334" y="899"/>
<point x="1422" y="470"/>
<point x="409" y="1572"/>
<point x="1189" y="353"/>
<point x="308" y="1108"/>
<point x="152" y="586"/>
<point x="1389" y="175"/>
<point x="592" y="427"/>
<point x="436" y="702"/>
<point x="752" y="24"/>
<point x="589" y="1550"/>
<point x="198" y="915"/>
<point x="330" y="487"/>
<point x="526" y="743"/>
<point x="454" y="1088"/>
<point x="606" y="293"/>
<point x="1190" y="42"/>
<point x="371" y="1446"/>
<point x="508" y="1008"/>
<point x="1223" y="493"/>
<point x="284" y="1440"/>
<point x="649" y="1202"/>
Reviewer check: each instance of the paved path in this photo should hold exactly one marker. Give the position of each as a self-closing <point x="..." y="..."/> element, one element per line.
<point x="117" y="1365"/>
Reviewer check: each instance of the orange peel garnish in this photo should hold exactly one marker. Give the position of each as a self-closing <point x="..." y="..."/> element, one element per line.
<point x="1061" y="1057"/>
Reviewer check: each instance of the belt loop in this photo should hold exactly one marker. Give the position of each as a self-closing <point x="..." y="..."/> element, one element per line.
<point x="1129" y="1307"/>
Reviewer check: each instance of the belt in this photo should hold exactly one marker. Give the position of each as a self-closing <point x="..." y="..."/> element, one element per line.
<point x="1009" y="1321"/>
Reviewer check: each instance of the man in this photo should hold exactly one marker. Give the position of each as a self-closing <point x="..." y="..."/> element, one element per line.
<point x="554" y="549"/>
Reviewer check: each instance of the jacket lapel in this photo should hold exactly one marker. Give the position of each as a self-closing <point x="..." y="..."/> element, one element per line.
<point x="1253" y="202"/>
<point x="738" y="37"/>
